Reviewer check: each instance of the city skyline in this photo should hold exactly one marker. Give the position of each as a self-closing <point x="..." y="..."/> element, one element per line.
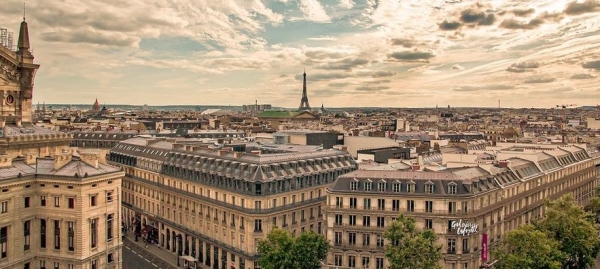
<point x="356" y="52"/>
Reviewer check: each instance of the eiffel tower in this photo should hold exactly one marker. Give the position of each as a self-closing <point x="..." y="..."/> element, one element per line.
<point x="304" y="101"/>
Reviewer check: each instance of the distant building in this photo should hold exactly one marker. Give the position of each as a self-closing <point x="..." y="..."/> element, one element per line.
<point x="256" y="107"/>
<point x="306" y="137"/>
<point x="96" y="106"/>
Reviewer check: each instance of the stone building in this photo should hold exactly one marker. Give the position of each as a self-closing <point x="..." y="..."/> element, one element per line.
<point x="57" y="209"/>
<point x="487" y="197"/>
<point x="216" y="204"/>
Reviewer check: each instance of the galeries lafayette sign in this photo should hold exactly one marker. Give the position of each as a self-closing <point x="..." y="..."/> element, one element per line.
<point x="464" y="227"/>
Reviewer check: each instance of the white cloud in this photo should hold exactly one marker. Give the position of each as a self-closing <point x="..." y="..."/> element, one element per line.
<point x="347" y="4"/>
<point x="313" y="11"/>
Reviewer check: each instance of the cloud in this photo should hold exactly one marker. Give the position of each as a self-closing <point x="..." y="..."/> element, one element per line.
<point x="381" y="74"/>
<point x="91" y="37"/>
<point x="591" y="65"/>
<point x="582" y="76"/>
<point x="449" y="26"/>
<point x="411" y="56"/>
<point x="472" y="16"/>
<point x="344" y="64"/>
<point x="313" y="11"/>
<point x="472" y="88"/>
<point x="523" y="12"/>
<point x="539" y="80"/>
<point x="407" y="43"/>
<point x="515" y="24"/>
<point x="339" y="84"/>
<point x="522" y="67"/>
<point x="367" y="88"/>
<point x="577" y="8"/>
<point x="457" y="67"/>
<point x="347" y="4"/>
<point x="323" y="38"/>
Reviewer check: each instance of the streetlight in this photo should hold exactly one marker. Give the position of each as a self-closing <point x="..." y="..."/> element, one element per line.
<point x="178" y="248"/>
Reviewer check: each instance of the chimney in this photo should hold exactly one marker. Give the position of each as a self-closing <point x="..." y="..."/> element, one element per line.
<point x="416" y="167"/>
<point x="90" y="157"/>
<point x="5" y="161"/>
<point x="61" y="160"/>
<point x="222" y="152"/>
<point x="503" y="164"/>
<point x="255" y="152"/>
<point x="238" y="154"/>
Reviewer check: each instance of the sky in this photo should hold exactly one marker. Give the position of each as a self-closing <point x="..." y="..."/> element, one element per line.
<point x="418" y="53"/>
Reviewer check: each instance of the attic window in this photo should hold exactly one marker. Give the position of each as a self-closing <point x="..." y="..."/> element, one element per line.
<point x="396" y="186"/>
<point x="452" y="188"/>
<point x="368" y="185"/>
<point x="381" y="186"/>
<point x="410" y="187"/>
<point x="429" y="187"/>
<point x="354" y="185"/>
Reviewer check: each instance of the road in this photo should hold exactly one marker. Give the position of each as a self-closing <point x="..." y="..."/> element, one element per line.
<point x="136" y="257"/>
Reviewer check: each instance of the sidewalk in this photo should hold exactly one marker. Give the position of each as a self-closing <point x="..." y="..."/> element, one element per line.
<point x="168" y="258"/>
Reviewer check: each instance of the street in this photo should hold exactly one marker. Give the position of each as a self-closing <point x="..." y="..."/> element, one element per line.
<point x="135" y="257"/>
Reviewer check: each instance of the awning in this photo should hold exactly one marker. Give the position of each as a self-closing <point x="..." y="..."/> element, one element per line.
<point x="189" y="258"/>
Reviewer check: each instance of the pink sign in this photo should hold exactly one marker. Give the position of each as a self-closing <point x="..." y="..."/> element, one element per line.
<point x="484" y="248"/>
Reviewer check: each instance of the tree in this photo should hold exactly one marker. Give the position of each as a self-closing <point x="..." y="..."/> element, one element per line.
<point x="528" y="247"/>
<point x="410" y="247"/>
<point x="594" y="206"/>
<point x="281" y="250"/>
<point x="574" y="229"/>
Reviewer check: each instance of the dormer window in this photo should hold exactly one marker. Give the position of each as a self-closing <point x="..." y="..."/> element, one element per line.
<point x="396" y="186"/>
<point x="354" y="185"/>
<point x="429" y="187"/>
<point x="381" y="186"/>
<point x="368" y="185"/>
<point x="410" y="187"/>
<point x="452" y="188"/>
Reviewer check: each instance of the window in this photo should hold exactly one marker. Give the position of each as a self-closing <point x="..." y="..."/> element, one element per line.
<point x="110" y="258"/>
<point x="109" y="196"/>
<point x="71" y="202"/>
<point x="258" y="225"/>
<point x="365" y="262"/>
<point x="109" y="227"/>
<point x="56" y="265"/>
<point x="338" y="238"/>
<point x="452" y="188"/>
<point x="42" y="233"/>
<point x="380" y="240"/>
<point x="368" y="185"/>
<point x="56" y="201"/>
<point x="428" y="224"/>
<point x="465" y="245"/>
<point x="367" y="203"/>
<point x="380" y="222"/>
<point x="351" y="261"/>
<point x="381" y="186"/>
<point x="338" y="219"/>
<point x="94" y="264"/>
<point x="339" y="202"/>
<point x="57" y="234"/>
<point x="395" y="205"/>
<point x="429" y="206"/>
<point x="366" y="239"/>
<point x="354" y="185"/>
<point x="410" y="205"/>
<point x="451" y="207"/>
<point x="378" y="263"/>
<point x="43" y="200"/>
<point x="429" y="188"/>
<point x="26" y="234"/>
<point x="396" y="187"/>
<point x="353" y="202"/>
<point x="337" y="260"/>
<point x="94" y="233"/>
<point x="71" y="229"/>
<point x="410" y="187"/>
<point x="3" y="242"/>
<point x="26" y="202"/>
<point x="93" y="201"/>
<point x="352" y="220"/>
<point x="366" y="221"/>
<point x="4" y="207"/>
<point x="42" y="264"/>
<point x="451" y="245"/>
<point x="352" y="238"/>
<point x="381" y="204"/>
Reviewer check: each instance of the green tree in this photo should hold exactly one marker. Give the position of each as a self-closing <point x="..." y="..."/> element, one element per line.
<point x="567" y="223"/>
<point x="410" y="247"/>
<point x="281" y="250"/>
<point x="594" y="206"/>
<point x="528" y="248"/>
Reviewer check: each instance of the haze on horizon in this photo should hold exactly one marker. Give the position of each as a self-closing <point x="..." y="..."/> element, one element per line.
<point x="539" y="53"/>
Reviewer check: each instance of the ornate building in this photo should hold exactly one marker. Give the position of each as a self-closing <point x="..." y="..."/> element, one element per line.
<point x="57" y="209"/>
<point x="460" y="204"/>
<point x="215" y="204"/>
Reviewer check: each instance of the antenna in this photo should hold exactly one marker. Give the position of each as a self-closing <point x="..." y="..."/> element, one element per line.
<point x="23" y="11"/>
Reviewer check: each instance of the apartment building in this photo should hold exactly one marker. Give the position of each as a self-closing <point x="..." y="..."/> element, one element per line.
<point x="215" y="204"/>
<point x="461" y="203"/>
<point x="57" y="210"/>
